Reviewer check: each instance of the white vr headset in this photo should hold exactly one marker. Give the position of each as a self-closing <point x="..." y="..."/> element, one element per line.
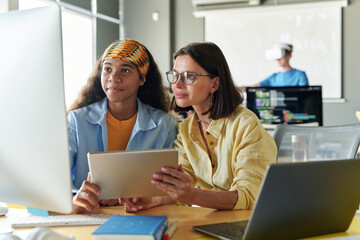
<point x="278" y="51"/>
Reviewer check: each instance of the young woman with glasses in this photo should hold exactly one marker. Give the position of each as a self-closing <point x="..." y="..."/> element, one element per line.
<point x="222" y="148"/>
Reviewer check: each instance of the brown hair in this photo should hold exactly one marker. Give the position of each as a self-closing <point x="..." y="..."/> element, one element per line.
<point x="210" y="57"/>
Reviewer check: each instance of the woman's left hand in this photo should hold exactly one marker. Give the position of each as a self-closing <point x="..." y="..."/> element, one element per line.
<point x="175" y="183"/>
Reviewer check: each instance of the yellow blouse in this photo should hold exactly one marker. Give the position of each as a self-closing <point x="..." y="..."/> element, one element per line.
<point x="240" y="151"/>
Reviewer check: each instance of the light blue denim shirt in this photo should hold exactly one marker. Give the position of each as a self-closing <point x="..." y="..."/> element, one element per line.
<point x="153" y="129"/>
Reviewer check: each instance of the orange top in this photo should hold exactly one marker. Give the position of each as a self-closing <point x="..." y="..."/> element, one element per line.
<point x="119" y="132"/>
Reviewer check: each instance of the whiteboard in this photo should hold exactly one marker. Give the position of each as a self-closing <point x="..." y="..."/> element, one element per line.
<point x="314" y="29"/>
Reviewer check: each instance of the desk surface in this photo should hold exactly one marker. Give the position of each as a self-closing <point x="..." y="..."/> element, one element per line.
<point x="187" y="217"/>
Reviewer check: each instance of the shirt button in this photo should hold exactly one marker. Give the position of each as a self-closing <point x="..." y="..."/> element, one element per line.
<point x="207" y="133"/>
<point x="213" y="165"/>
<point x="211" y="143"/>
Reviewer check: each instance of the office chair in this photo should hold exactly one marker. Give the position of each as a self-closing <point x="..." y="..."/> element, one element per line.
<point x="323" y="143"/>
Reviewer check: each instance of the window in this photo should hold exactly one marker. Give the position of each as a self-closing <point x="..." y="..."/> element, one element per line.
<point x="4" y="6"/>
<point x="77" y="47"/>
<point x="82" y="42"/>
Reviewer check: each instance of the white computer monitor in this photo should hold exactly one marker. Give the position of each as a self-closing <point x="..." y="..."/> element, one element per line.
<point x="34" y="152"/>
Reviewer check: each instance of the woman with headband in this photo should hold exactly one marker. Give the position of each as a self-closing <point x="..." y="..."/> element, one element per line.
<point x="222" y="148"/>
<point x="122" y="107"/>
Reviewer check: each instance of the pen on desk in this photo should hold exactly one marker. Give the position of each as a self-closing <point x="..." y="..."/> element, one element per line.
<point x="170" y="230"/>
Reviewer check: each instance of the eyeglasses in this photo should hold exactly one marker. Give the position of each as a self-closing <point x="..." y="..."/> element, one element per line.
<point x="187" y="78"/>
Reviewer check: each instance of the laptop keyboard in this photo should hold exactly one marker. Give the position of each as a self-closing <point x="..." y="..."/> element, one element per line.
<point x="60" y="220"/>
<point x="233" y="233"/>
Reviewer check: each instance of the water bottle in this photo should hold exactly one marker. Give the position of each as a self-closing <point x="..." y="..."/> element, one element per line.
<point x="299" y="147"/>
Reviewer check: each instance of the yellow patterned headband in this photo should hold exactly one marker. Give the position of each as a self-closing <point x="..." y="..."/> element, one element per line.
<point x="130" y="51"/>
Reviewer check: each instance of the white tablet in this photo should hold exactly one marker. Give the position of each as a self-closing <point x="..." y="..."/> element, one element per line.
<point x="129" y="173"/>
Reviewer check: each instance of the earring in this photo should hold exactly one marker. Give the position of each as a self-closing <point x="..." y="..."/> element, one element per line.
<point x="211" y="100"/>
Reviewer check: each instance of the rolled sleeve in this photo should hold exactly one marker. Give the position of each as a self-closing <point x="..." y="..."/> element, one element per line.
<point x="255" y="150"/>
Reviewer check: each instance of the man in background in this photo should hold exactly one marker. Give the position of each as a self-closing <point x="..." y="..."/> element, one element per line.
<point x="287" y="76"/>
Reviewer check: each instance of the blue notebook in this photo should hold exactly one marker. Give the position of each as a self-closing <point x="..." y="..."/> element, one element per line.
<point x="132" y="226"/>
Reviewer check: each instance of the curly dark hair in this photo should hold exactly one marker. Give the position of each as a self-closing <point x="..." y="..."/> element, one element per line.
<point x="210" y="57"/>
<point x="152" y="92"/>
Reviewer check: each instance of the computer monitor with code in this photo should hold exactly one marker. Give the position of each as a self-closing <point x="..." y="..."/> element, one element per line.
<point x="286" y="105"/>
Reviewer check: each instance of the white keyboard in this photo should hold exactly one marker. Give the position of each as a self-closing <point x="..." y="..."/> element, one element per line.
<point x="60" y="220"/>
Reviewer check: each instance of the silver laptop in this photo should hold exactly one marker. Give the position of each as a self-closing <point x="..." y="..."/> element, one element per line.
<point x="129" y="173"/>
<point x="299" y="200"/>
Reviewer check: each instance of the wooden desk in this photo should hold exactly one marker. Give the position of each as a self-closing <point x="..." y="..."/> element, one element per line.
<point x="187" y="217"/>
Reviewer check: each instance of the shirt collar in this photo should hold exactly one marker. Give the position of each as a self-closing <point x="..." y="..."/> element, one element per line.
<point x="144" y="120"/>
<point x="214" y="128"/>
<point x="97" y="114"/>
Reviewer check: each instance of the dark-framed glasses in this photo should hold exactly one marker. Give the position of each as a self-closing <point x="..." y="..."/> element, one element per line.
<point x="187" y="78"/>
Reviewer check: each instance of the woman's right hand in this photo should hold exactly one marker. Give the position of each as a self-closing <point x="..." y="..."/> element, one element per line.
<point x="85" y="199"/>
<point x="141" y="203"/>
